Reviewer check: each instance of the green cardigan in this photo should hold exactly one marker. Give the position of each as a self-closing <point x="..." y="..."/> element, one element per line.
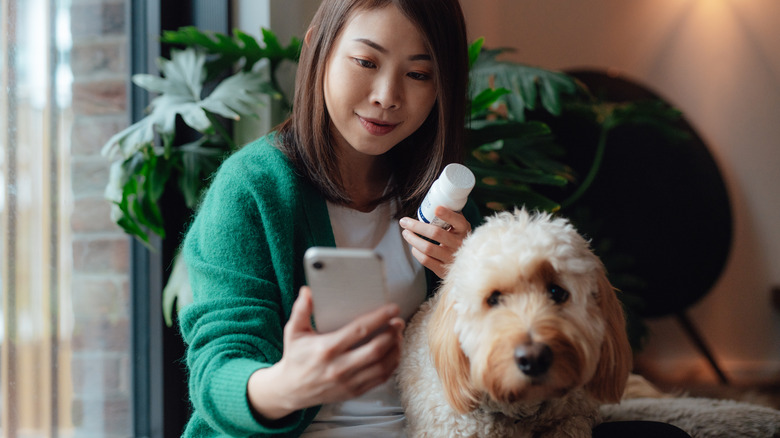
<point x="244" y="252"/>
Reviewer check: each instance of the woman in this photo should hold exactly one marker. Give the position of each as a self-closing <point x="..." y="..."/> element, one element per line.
<point x="378" y="112"/>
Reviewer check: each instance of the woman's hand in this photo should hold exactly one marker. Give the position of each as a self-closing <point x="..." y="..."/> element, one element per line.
<point x="321" y="368"/>
<point x="434" y="256"/>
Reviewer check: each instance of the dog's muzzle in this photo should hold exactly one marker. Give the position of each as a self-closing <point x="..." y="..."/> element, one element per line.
<point x="533" y="359"/>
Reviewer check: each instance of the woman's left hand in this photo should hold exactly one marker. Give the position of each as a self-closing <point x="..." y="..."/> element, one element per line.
<point x="434" y="256"/>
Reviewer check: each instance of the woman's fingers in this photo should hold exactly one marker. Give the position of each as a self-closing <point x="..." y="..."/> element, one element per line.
<point x="451" y="237"/>
<point x="335" y="366"/>
<point x="300" y="315"/>
<point x="374" y="362"/>
<point x="362" y="328"/>
<point x="433" y="246"/>
<point x="459" y="226"/>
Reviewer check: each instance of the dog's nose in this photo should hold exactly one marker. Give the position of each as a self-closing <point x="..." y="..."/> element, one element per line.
<point x="533" y="359"/>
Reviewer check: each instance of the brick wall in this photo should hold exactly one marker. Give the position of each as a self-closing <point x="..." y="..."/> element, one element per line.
<point x="100" y="348"/>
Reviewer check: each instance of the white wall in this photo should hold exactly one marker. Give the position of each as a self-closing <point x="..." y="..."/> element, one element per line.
<point x="287" y="19"/>
<point x="719" y="62"/>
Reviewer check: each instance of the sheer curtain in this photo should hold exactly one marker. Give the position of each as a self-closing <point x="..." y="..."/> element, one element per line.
<point x="64" y="313"/>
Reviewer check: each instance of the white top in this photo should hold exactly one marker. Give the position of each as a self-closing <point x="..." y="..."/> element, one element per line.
<point x="377" y="412"/>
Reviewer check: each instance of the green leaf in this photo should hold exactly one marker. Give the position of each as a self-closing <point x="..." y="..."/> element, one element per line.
<point x="654" y="113"/>
<point x="197" y="163"/>
<point x="240" y="94"/>
<point x="502" y="130"/>
<point x="506" y="197"/>
<point x="184" y="74"/>
<point x="519" y="176"/>
<point x="139" y="207"/>
<point x="180" y="92"/>
<point x="273" y="49"/>
<point x="147" y="213"/>
<point x="474" y="49"/>
<point x="131" y="191"/>
<point x="131" y="227"/>
<point x="130" y="140"/>
<point x="247" y="42"/>
<point x="535" y="155"/>
<point x="242" y="48"/>
<point x="139" y="177"/>
<point x="485" y="99"/>
<point x="177" y="292"/>
<point x="156" y="173"/>
<point x="190" y="36"/>
<point x="527" y="84"/>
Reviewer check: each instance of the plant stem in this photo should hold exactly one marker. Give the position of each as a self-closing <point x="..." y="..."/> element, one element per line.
<point x="594" y="169"/>
<point x="221" y="130"/>
<point x="278" y="89"/>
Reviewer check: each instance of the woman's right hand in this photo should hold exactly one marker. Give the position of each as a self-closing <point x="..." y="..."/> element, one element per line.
<point x="322" y="368"/>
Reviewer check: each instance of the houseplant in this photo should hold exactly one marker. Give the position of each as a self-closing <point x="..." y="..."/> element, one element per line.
<point x="511" y="147"/>
<point x="214" y="78"/>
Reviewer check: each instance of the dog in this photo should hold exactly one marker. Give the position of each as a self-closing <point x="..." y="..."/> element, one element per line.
<point x="525" y="337"/>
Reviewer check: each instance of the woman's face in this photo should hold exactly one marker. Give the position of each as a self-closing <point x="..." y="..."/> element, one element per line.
<point x="379" y="85"/>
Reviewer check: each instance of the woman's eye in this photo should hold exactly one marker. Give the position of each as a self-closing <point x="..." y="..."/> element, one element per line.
<point x="418" y="76"/>
<point x="494" y="299"/>
<point x="558" y="294"/>
<point x="365" y="63"/>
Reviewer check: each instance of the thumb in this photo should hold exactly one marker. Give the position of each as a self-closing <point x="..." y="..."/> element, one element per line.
<point x="300" y="316"/>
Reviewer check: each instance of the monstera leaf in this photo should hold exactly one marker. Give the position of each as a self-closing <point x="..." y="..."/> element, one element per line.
<point x="511" y="156"/>
<point x="243" y="50"/>
<point x="179" y="94"/>
<point x="527" y="85"/>
<point x="214" y="78"/>
<point x="142" y="169"/>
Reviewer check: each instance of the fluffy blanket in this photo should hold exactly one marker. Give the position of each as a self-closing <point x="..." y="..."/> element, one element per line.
<point x="701" y="417"/>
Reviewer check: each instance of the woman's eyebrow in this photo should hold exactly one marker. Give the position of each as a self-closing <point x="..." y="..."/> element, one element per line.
<point x="374" y="45"/>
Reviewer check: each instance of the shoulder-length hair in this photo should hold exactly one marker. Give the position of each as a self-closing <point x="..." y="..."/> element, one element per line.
<point x="418" y="160"/>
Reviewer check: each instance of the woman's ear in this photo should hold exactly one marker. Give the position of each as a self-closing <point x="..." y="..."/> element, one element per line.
<point x="450" y="362"/>
<point x="307" y="37"/>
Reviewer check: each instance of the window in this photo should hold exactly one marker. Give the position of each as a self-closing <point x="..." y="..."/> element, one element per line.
<point x="65" y="329"/>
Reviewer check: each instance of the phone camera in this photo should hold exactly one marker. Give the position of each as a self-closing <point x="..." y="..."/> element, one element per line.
<point x="318" y="265"/>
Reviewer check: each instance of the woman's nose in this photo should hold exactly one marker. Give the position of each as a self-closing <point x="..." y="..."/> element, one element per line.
<point x="387" y="93"/>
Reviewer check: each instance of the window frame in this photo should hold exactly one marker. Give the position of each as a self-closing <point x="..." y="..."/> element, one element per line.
<point x="145" y="265"/>
<point x="160" y="401"/>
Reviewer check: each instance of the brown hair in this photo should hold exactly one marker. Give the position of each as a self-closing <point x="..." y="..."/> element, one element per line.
<point x="416" y="161"/>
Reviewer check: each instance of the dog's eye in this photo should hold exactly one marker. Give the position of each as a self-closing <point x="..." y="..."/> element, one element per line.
<point x="558" y="294"/>
<point x="494" y="299"/>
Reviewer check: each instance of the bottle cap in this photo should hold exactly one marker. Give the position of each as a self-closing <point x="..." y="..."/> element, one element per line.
<point x="457" y="180"/>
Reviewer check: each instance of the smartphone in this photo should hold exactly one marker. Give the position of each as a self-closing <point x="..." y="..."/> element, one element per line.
<point x="345" y="283"/>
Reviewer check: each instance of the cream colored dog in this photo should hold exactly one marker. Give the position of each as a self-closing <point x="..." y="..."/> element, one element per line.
<point x="525" y="337"/>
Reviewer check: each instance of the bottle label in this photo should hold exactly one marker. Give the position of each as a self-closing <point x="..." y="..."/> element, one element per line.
<point x="421" y="216"/>
<point x="433" y="221"/>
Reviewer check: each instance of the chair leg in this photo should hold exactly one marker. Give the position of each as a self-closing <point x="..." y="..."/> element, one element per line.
<point x="698" y="340"/>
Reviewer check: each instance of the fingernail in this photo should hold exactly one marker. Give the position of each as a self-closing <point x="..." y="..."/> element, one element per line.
<point x="404" y="222"/>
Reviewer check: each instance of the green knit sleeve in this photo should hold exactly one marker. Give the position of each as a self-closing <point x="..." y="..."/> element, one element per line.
<point x="235" y="324"/>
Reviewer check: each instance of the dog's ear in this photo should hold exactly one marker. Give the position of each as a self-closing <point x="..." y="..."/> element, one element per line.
<point x="611" y="375"/>
<point x="450" y="362"/>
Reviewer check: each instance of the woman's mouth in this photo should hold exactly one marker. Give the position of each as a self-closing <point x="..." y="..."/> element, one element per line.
<point x="377" y="127"/>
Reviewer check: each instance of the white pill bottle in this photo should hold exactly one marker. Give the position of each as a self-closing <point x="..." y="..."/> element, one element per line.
<point x="450" y="190"/>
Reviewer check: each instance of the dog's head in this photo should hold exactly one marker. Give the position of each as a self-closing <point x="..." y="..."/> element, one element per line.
<point x="526" y="313"/>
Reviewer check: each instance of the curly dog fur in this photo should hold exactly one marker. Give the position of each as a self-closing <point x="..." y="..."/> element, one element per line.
<point x="525" y="337"/>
